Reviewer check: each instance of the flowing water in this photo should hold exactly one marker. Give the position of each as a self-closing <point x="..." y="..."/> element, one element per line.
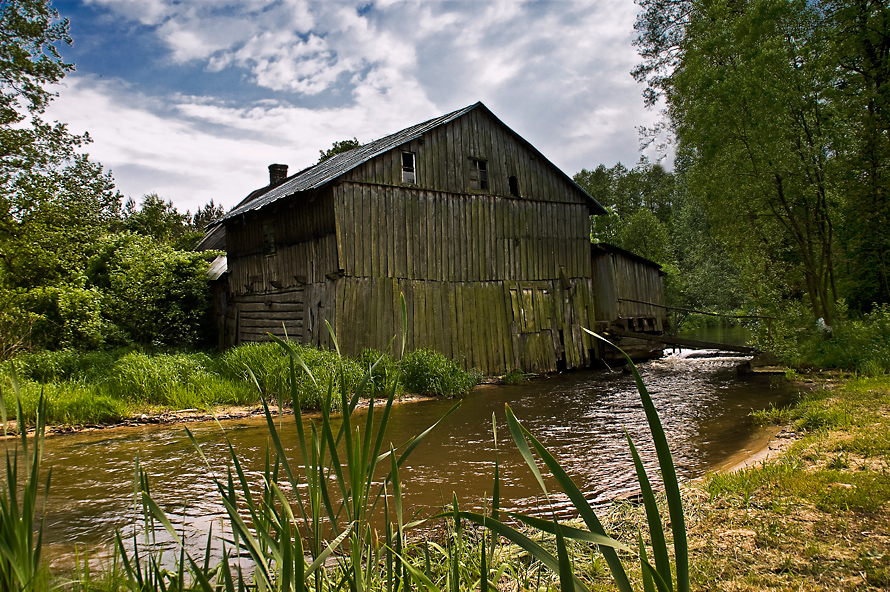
<point x="580" y="416"/>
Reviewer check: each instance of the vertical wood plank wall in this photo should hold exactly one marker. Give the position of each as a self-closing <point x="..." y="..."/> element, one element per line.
<point x="617" y="278"/>
<point x="493" y="282"/>
<point x="286" y="292"/>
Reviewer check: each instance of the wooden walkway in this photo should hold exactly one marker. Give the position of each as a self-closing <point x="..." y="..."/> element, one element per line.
<point x="692" y="343"/>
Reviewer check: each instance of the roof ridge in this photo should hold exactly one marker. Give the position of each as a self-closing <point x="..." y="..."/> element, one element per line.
<point x="325" y="171"/>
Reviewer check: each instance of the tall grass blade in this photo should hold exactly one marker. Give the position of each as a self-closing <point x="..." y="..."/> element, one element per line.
<point x="566" y="573"/>
<point x="648" y="584"/>
<point x="520" y="540"/>
<point x="668" y="475"/>
<point x="404" y="323"/>
<point x="333" y="336"/>
<point x="653" y="516"/>
<point x="619" y="574"/>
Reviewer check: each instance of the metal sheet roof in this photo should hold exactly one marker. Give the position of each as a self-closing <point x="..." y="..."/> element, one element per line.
<point x="325" y="172"/>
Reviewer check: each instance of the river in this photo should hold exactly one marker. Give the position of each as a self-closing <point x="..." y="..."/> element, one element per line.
<point x="580" y="416"/>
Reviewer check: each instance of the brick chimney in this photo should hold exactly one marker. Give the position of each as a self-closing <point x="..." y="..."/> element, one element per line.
<point x="277" y="174"/>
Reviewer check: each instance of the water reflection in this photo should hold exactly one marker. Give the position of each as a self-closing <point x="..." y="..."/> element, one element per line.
<point x="580" y="417"/>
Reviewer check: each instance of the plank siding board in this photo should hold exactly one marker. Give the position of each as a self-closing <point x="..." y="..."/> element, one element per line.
<point x="366" y="232"/>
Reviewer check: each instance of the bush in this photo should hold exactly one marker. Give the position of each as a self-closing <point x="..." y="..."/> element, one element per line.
<point x="856" y="343"/>
<point x="155" y="293"/>
<point x="428" y="372"/>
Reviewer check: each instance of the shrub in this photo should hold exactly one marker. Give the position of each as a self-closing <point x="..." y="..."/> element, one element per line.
<point x="428" y="372"/>
<point x="154" y="292"/>
<point x="859" y="343"/>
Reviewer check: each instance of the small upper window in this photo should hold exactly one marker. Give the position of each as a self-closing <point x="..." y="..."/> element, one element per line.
<point x="409" y="173"/>
<point x="514" y="186"/>
<point x="478" y="174"/>
<point x="268" y="238"/>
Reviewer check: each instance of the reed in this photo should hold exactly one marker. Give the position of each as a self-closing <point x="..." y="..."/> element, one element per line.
<point x="20" y="567"/>
<point x="656" y="573"/>
<point x="330" y="509"/>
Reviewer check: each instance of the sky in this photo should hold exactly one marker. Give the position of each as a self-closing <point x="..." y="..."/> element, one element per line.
<point x="193" y="99"/>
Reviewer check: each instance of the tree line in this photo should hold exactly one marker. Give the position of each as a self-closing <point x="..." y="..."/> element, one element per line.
<point x="780" y="114"/>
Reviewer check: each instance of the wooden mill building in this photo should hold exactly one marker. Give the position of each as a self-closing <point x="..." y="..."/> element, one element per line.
<point x="629" y="300"/>
<point x="486" y="238"/>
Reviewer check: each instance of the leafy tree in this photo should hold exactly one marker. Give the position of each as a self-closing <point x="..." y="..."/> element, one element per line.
<point x="66" y="278"/>
<point x="782" y="109"/>
<point x="207" y="215"/>
<point x="30" y="34"/>
<point x="52" y="222"/>
<point x="639" y="204"/>
<point x="162" y="221"/>
<point x="860" y="36"/>
<point x="154" y="293"/>
<point x="747" y="90"/>
<point x="338" y="148"/>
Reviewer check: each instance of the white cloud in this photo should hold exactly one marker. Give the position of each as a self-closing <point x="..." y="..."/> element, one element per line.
<point x="556" y="72"/>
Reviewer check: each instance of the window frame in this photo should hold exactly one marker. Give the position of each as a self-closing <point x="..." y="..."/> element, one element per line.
<point x="478" y="175"/>
<point x="406" y="170"/>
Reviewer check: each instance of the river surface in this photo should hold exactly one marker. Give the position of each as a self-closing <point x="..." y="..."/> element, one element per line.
<point x="580" y="416"/>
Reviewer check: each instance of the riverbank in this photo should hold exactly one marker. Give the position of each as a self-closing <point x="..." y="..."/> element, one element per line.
<point x="812" y="515"/>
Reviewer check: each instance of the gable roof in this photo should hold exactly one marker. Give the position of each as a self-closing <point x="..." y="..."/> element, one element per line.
<point x="325" y="172"/>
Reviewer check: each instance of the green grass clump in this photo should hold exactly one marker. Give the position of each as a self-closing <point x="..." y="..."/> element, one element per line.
<point x="265" y="360"/>
<point x="428" y="372"/>
<point x="71" y="403"/>
<point x="383" y="369"/>
<point x="772" y="416"/>
<point x="160" y="379"/>
<point x="327" y="367"/>
<point x="66" y="364"/>
<point x="515" y="376"/>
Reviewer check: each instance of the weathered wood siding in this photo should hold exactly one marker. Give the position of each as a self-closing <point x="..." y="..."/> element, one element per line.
<point x="491" y="326"/>
<point x="493" y="282"/>
<point x="288" y="290"/>
<point x="443" y="159"/>
<point x="385" y="231"/>
<point x="618" y="280"/>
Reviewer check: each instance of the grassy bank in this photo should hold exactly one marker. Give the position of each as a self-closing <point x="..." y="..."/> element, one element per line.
<point x="105" y="387"/>
<point x="815" y="518"/>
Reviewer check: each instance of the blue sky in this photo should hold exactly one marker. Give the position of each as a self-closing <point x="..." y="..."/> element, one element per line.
<point x="193" y="99"/>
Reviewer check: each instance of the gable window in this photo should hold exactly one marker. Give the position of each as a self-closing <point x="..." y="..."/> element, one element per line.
<point x="268" y="237"/>
<point x="409" y="172"/>
<point x="514" y="186"/>
<point x="478" y="174"/>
